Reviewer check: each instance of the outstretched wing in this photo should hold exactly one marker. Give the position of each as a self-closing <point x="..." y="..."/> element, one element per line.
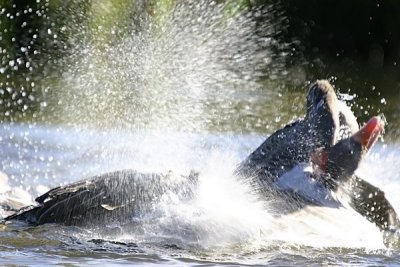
<point x="370" y="202"/>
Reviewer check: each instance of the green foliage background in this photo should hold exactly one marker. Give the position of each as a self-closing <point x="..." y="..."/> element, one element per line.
<point x="356" y="42"/>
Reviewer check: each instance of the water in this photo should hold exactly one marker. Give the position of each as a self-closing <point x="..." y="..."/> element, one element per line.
<point x="226" y="222"/>
<point x="195" y="86"/>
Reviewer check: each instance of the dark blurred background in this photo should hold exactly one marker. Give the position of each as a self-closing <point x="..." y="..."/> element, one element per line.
<point x="355" y="44"/>
<point x="348" y="39"/>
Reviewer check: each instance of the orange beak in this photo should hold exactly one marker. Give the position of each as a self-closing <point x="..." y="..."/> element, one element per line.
<point x="369" y="133"/>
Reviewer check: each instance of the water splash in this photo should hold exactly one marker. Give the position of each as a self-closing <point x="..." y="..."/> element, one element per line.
<point x="178" y="71"/>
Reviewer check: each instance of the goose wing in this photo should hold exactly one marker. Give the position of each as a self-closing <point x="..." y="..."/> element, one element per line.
<point x="371" y="202"/>
<point x="116" y="196"/>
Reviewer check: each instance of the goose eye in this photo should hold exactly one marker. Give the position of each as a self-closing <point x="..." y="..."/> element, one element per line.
<point x="350" y="152"/>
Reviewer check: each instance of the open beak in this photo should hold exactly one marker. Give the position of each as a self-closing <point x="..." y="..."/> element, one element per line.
<point x="369" y="133"/>
<point x="320" y="159"/>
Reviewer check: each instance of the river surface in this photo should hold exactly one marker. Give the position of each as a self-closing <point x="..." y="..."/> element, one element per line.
<point x="224" y="224"/>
